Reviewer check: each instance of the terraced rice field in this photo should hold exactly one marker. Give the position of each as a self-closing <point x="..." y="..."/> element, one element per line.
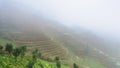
<point x="47" y="47"/>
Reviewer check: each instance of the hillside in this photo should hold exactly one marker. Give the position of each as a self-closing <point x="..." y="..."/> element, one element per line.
<point x="53" y="39"/>
<point x="14" y="56"/>
<point x="42" y="48"/>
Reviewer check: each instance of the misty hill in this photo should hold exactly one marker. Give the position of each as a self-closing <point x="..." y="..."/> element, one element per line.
<point x="52" y="38"/>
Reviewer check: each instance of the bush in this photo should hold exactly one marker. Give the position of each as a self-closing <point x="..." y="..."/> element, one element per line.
<point x="9" y="48"/>
<point x="75" y="65"/>
<point x="1" y="47"/>
<point x="58" y="63"/>
<point x="57" y="58"/>
<point x="35" y="55"/>
<point x="23" y="50"/>
<point x="30" y="64"/>
<point x="16" y="52"/>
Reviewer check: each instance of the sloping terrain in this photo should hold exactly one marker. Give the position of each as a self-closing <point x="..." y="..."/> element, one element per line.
<point x="52" y="39"/>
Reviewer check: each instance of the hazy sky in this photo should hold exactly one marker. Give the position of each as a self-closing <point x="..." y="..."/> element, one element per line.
<point x="100" y="16"/>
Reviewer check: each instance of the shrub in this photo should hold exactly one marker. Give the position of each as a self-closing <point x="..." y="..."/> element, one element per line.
<point x="30" y="64"/>
<point x="75" y="65"/>
<point x="23" y="50"/>
<point x="16" y="52"/>
<point x="35" y="55"/>
<point x="1" y="47"/>
<point x="9" y="48"/>
<point x="58" y="63"/>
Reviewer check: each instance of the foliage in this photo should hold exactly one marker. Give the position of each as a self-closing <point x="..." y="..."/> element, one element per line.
<point x="1" y="47"/>
<point x="16" y="52"/>
<point x="23" y="50"/>
<point x="9" y="48"/>
<point x="30" y="64"/>
<point x="75" y="65"/>
<point x="57" y="58"/>
<point x="58" y="63"/>
<point x="10" y="61"/>
<point x="41" y="65"/>
<point x="35" y="55"/>
<point x="4" y="63"/>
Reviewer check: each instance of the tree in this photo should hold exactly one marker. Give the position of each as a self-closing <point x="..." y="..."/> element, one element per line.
<point x="35" y="55"/>
<point x="9" y="48"/>
<point x="23" y="50"/>
<point x="75" y="65"/>
<point x="30" y="64"/>
<point x="16" y="52"/>
<point x="1" y="47"/>
<point x="57" y="58"/>
<point x="58" y="63"/>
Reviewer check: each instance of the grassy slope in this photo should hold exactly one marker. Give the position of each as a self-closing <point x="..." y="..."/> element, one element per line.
<point x="89" y="62"/>
<point x="9" y="62"/>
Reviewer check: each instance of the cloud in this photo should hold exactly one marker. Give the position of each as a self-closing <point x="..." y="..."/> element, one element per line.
<point x="100" y="16"/>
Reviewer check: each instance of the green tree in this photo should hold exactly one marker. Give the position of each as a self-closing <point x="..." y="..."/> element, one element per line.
<point x="23" y="50"/>
<point x="9" y="48"/>
<point x="16" y="52"/>
<point x="58" y="63"/>
<point x="41" y="65"/>
<point x="30" y="64"/>
<point x="75" y="65"/>
<point x="1" y="47"/>
<point x="35" y="55"/>
<point x="57" y="58"/>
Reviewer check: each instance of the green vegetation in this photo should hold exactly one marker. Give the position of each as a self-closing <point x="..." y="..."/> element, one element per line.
<point x="9" y="48"/>
<point x="30" y="61"/>
<point x="58" y="63"/>
<point x="75" y="65"/>
<point x="19" y="59"/>
<point x="16" y="53"/>
<point x="27" y="62"/>
<point x="1" y="47"/>
<point x="23" y="50"/>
